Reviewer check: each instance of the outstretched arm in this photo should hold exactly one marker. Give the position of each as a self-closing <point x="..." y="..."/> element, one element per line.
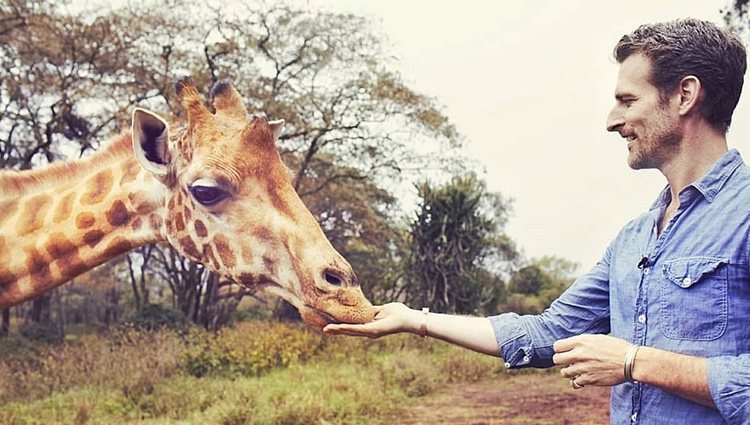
<point x="474" y="333"/>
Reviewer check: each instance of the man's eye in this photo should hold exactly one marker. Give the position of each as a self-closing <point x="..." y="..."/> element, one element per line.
<point x="207" y="195"/>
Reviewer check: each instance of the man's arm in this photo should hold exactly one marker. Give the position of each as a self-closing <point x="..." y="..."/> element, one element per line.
<point x="474" y="333"/>
<point x="600" y="360"/>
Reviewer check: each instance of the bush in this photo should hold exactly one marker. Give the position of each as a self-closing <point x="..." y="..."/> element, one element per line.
<point x="155" y="316"/>
<point x="250" y="349"/>
<point x="46" y="332"/>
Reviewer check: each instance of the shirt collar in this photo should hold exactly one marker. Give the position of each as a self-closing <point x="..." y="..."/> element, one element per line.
<point x="711" y="183"/>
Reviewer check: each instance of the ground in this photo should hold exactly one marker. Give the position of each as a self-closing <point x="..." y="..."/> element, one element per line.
<point x="546" y="399"/>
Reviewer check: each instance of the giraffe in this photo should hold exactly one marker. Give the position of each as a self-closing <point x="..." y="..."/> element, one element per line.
<point x="216" y="190"/>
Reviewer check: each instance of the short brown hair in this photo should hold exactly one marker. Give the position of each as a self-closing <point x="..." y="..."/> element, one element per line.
<point x="692" y="47"/>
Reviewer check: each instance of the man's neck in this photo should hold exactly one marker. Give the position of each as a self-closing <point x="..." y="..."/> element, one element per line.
<point x="701" y="147"/>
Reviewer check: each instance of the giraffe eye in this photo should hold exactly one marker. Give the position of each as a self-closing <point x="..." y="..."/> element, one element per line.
<point x="207" y="195"/>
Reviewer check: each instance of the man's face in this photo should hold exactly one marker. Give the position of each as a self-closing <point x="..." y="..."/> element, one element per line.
<point x="646" y="121"/>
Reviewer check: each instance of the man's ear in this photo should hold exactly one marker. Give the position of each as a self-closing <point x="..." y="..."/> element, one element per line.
<point x="276" y="127"/>
<point x="689" y="91"/>
<point x="150" y="142"/>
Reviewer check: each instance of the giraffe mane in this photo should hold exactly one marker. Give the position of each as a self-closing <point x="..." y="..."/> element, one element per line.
<point x="15" y="183"/>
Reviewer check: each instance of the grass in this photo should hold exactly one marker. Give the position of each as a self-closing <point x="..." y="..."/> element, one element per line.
<point x="255" y="373"/>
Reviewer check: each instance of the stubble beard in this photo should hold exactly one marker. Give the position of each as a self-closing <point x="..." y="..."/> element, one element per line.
<point x="657" y="148"/>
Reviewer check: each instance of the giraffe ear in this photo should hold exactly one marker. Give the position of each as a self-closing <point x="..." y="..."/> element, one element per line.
<point x="276" y="127"/>
<point x="150" y="141"/>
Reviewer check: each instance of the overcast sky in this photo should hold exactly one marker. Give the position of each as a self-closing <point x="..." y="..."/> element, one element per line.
<point x="529" y="84"/>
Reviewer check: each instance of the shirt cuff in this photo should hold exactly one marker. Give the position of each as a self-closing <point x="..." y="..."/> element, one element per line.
<point x="512" y="340"/>
<point x="729" y="383"/>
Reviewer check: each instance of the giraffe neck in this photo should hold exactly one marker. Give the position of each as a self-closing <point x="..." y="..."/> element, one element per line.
<point x="62" y="220"/>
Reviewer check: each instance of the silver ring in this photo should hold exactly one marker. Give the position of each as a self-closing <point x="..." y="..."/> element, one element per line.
<point x="575" y="385"/>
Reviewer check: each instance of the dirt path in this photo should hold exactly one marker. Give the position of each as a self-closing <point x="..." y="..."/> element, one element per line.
<point x="537" y="399"/>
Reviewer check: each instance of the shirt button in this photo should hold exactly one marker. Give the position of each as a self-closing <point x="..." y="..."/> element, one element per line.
<point x="642" y="318"/>
<point x="526" y="359"/>
<point x="646" y="271"/>
<point x="507" y="365"/>
<point x="634" y="417"/>
<point x="687" y="281"/>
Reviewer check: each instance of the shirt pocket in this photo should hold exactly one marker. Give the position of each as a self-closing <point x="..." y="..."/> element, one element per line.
<point x="693" y="300"/>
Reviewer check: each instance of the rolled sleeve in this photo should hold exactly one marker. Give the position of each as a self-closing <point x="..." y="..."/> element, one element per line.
<point x="512" y="340"/>
<point x="729" y="382"/>
<point x="526" y="341"/>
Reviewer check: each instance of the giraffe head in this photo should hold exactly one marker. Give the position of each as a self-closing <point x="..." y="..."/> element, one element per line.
<point x="230" y="205"/>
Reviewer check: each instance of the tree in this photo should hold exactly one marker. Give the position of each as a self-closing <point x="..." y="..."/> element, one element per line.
<point x="736" y="16"/>
<point x="456" y="233"/>
<point x="69" y="78"/>
<point x="533" y="287"/>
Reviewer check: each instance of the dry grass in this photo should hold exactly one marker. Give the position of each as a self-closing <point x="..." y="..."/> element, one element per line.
<point x="255" y="373"/>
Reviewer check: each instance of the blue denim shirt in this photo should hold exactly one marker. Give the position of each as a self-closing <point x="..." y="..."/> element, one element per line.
<point x="691" y="296"/>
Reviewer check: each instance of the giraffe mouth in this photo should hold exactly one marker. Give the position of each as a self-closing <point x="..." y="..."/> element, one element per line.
<point x="325" y="316"/>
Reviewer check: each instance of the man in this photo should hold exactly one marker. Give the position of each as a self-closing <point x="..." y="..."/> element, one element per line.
<point x="672" y="291"/>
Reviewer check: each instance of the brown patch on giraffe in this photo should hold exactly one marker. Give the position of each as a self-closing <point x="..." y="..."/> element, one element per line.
<point x="118" y="246"/>
<point x="248" y="279"/>
<point x="93" y="237"/>
<point x="33" y="214"/>
<point x="225" y="253"/>
<point x="270" y="264"/>
<point x="170" y="204"/>
<point x="65" y="255"/>
<point x="189" y="247"/>
<point x="155" y="221"/>
<point x="277" y="200"/>
<point x="139" y="203"/>
<point x="187" y="214"/>
<point x="85" y="220"/>
<point x="37" y="267"/>
<point x="200" y="228"/>
<point x="136" y="224"/>
<point x="247" y="254"/>
<point x="209" y="256"/>
<point x="179" y="222"/>
<point x="7" y="208"/>
<point x="58" y="246"/>
<point x="118" y="214"/>
<point x="64" y="208"/>
<point x="264" y="234"/>
<point x="99" y="186"/>
<point x="130" y="172"/>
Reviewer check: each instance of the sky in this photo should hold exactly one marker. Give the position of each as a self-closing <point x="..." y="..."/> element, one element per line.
<point x="529" y="85"/>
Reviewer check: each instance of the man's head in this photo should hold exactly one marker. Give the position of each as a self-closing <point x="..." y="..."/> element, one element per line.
<point x="671" y="75"/>
<point x="690" y="47"/>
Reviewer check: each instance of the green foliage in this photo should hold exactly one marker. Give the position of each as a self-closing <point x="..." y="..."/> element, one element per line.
<point x="533" y="287"/>
<point x="155" y="316"/>
<point x="46" y="332"/>
<point x="457" y="231"/>
<point x="249" y="349"/>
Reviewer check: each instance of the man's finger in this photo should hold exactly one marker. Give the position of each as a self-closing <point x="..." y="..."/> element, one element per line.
<point x="562" y="359"/>
<point x="566" y="344"/>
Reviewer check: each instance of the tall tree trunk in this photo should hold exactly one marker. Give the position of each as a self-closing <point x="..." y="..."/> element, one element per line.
<point x="5" y="324"/>
<point x="40" y="308"/>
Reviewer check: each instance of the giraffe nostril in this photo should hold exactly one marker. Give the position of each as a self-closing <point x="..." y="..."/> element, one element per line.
<point x="333" y="278"/>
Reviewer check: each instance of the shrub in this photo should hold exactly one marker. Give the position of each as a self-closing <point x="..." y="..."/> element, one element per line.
<point x="45" y="332"/>
<point x="155" y="316"/>
<point x="250" y="349"/>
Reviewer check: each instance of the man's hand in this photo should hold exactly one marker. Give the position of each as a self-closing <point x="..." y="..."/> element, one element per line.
<point x="592" y="359"/>
<point x="390" y="319"/>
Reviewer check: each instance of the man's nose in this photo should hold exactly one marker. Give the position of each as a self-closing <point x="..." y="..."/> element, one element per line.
<point x="614" y="120"/>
